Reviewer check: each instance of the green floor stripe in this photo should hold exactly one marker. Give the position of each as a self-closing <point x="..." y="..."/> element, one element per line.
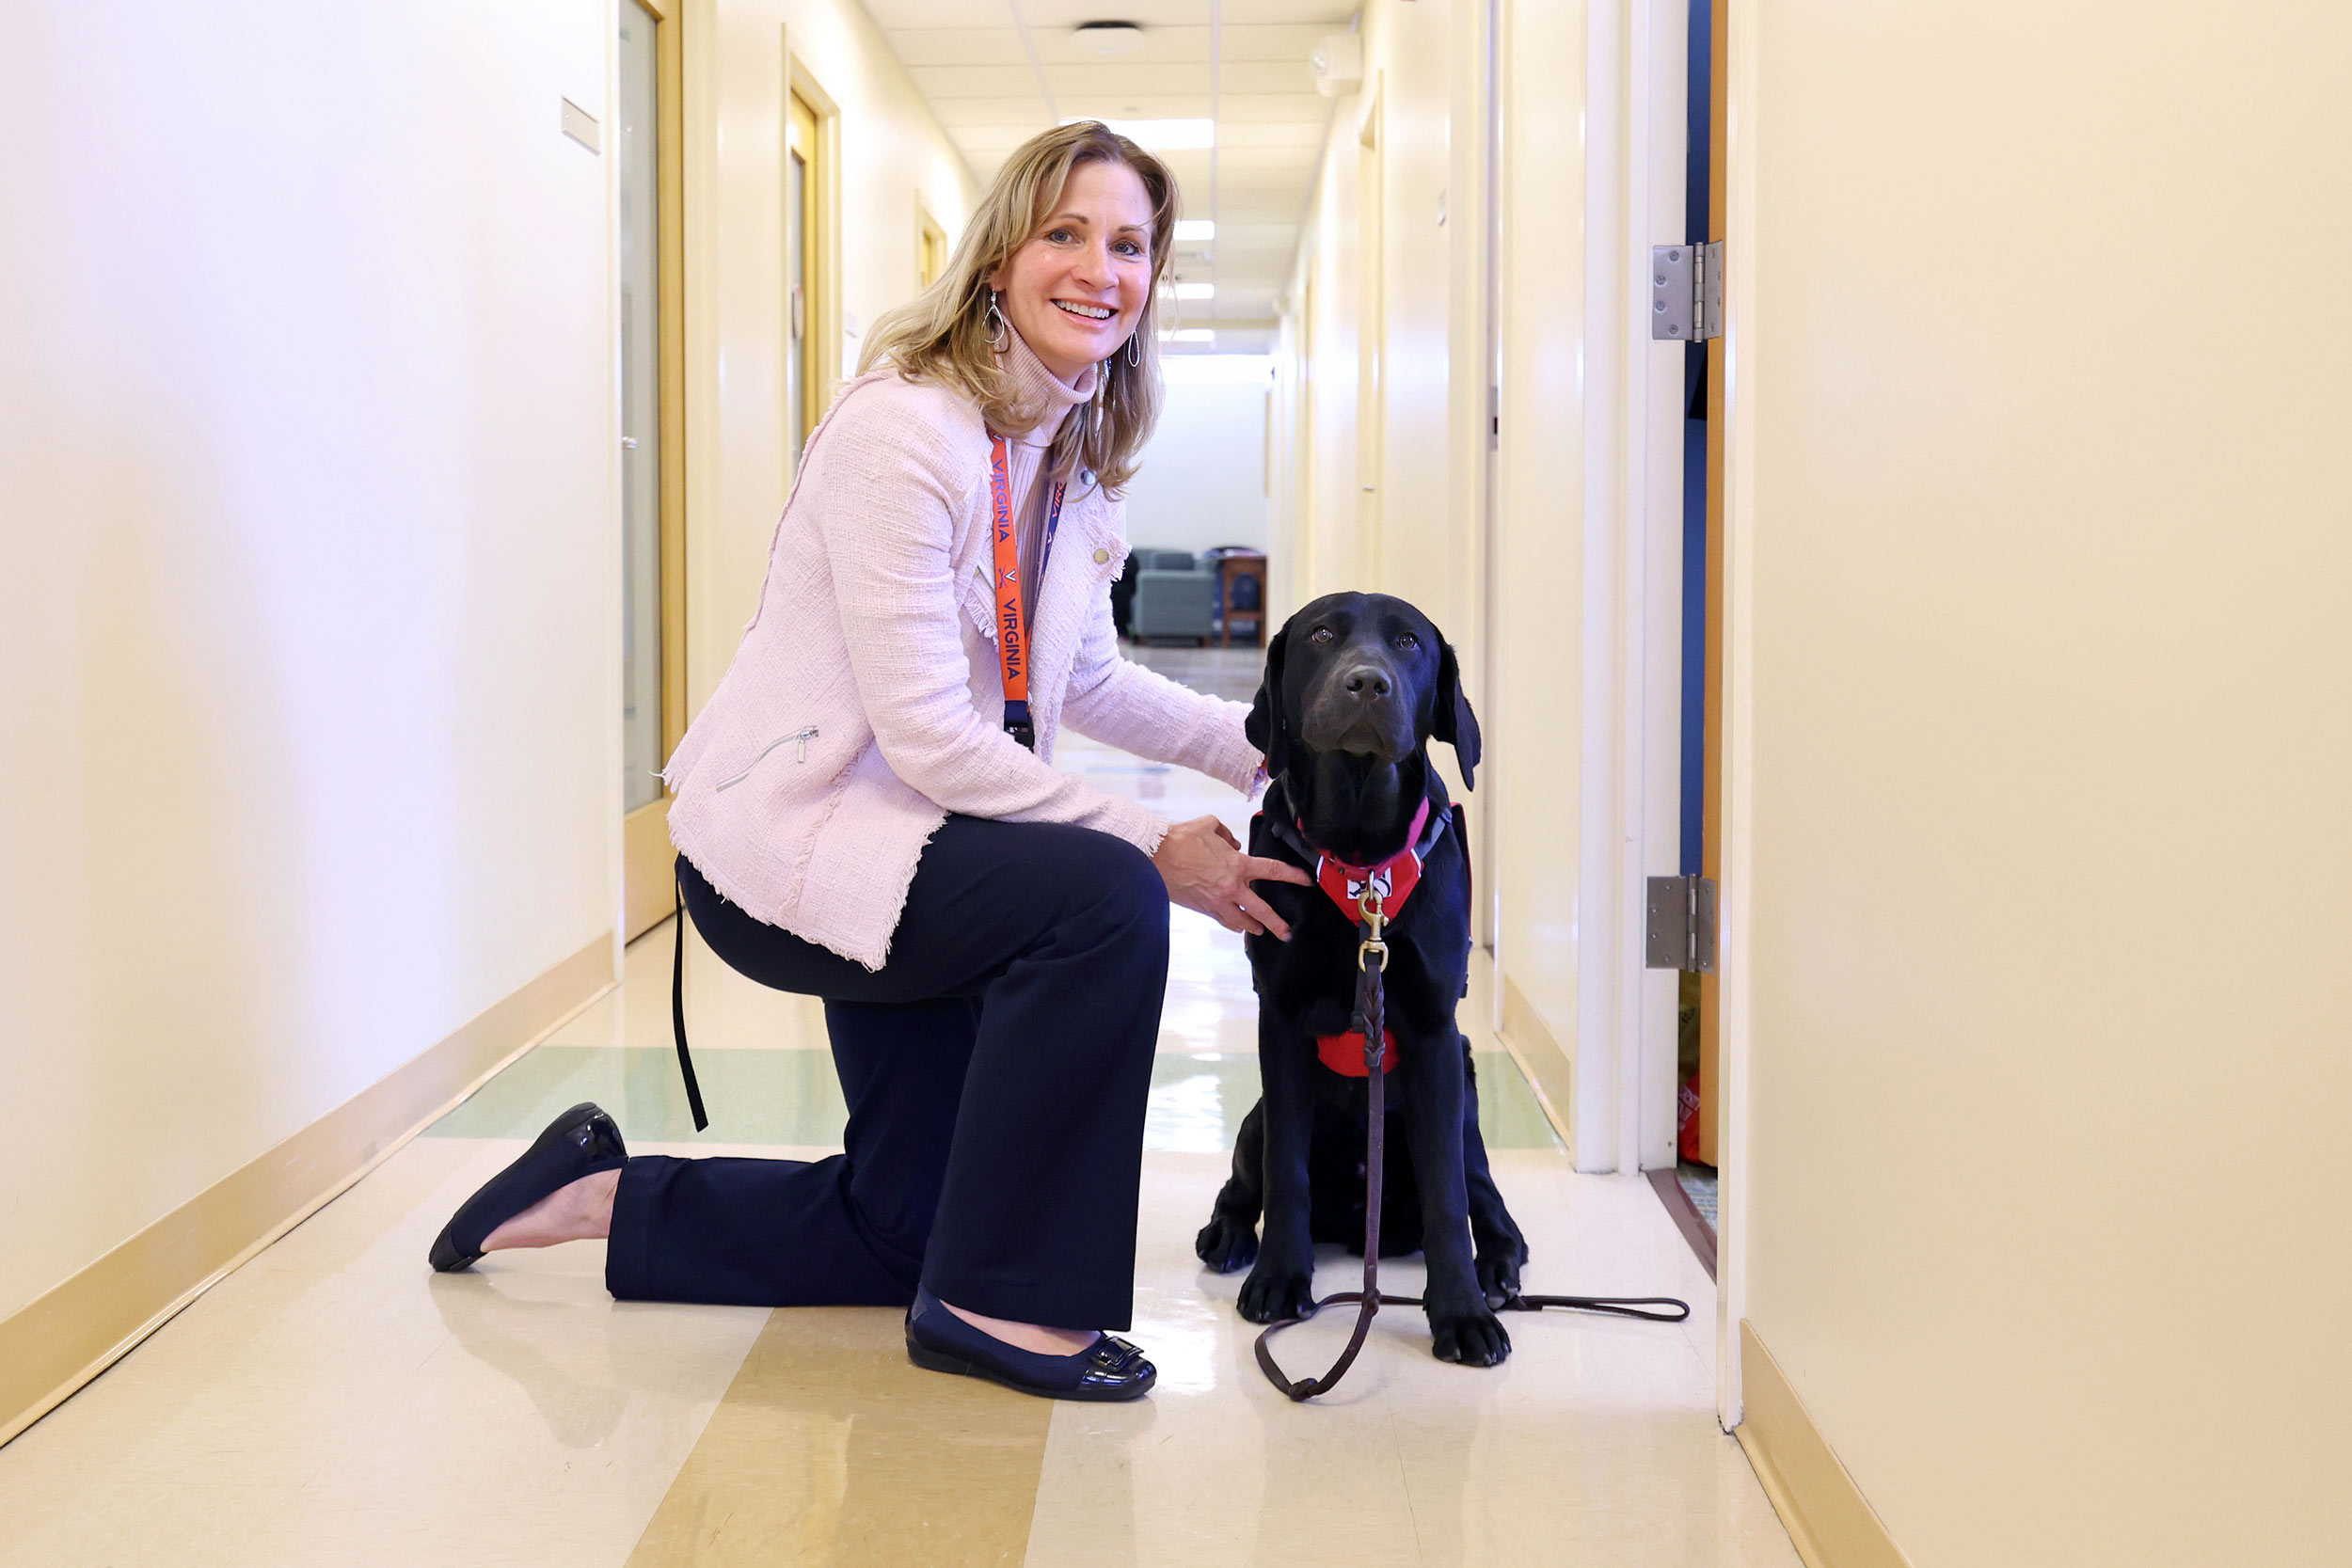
<point x="792" y="1097"/>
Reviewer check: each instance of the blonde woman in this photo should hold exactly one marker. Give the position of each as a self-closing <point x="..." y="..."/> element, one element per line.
<point x="867" y="812"/>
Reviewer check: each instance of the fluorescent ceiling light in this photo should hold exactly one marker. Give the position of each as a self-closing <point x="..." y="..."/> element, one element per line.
<point x="1190" y="335"/>
<point x="1194" y="230"/>
<point x="1194" y="291"/>
<point x="1163" y="135"/>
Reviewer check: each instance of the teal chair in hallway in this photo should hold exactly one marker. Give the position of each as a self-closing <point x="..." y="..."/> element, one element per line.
<point x="1175" y="596"/>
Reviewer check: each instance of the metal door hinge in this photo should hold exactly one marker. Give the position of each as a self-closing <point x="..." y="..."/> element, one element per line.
<point x="1686" y="292"/>
<point x="1681" y="924"/>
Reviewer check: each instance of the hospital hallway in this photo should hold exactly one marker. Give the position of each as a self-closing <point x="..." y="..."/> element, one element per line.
<point x="1862" y="486"/>
<point x="335" y="1402"/>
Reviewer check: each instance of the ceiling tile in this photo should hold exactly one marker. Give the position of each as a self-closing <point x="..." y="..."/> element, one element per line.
<point x="1134" y="106"/>
<point x="973" y="81"/>
<point x="920" y="46"/>
<point x="890" y="15"/>
<point x="1296" y="133"/>
<point x="1264" y="164"/>
<point x="1043" y="15"/>
<point x="1162" y="45"/>
<point x="956" y="113"/>
<point x="1124" y="81"/>
<point x="1260" y="109"/>
<point x="1266" y="76"/>
<point x="1255" y="42"/>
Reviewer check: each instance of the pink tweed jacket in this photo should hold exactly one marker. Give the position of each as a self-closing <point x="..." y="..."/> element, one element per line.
<point x="865" y="704"/>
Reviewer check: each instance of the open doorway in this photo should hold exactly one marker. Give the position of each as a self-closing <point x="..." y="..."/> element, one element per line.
<point x="1690" y="1190"/>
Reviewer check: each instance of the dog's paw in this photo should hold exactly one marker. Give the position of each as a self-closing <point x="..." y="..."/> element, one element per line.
<point x="1225" y="1244"/>
<point x="1498" y="1274"/>
<point x="1473" y="1337"/>
<point x="1274" y="1295"/>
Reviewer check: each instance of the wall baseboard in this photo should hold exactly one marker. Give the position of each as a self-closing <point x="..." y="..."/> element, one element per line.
<point x="1832" y="1523"/>
<point x="1542" y="1059"/>
<point x="88" y="1322"/>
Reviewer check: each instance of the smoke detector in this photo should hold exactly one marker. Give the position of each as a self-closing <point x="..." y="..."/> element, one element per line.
<point x="1109" y="39"/>
<point x="1337" y="64"/>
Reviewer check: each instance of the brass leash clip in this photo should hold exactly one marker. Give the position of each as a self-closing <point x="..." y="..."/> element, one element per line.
<point x="1369" y="904"/>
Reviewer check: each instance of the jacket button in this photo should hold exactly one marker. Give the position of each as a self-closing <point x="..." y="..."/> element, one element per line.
<point x="1101" y="557"/>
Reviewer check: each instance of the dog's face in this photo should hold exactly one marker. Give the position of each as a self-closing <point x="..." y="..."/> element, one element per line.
<point x="1365" y="675"/>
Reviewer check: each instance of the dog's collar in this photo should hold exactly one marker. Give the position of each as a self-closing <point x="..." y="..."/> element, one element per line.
<point x="1395" y="877"/>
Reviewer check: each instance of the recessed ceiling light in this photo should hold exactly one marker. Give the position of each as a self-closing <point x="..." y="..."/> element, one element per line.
<point x="1109" y="37"/>
<point x="1163" y="135"/>
<point x="1195" y="231"/>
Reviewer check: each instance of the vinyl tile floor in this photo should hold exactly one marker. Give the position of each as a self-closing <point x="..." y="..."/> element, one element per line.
<point x="335" y="1402"/>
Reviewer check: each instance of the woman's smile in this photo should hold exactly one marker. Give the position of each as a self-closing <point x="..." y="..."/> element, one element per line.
<point x="1076" y="288"/>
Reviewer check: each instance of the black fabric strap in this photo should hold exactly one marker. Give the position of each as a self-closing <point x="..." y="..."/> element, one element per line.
<point x="677" y="1015"/>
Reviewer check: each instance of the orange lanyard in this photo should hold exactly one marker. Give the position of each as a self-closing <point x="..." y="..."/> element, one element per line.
<point x="1013" y="638"/>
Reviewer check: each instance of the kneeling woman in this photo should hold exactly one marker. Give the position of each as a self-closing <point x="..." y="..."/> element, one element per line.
<point x="862" y="818"/>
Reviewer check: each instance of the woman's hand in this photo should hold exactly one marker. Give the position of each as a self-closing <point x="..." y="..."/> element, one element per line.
<point x="1204" y="869"/>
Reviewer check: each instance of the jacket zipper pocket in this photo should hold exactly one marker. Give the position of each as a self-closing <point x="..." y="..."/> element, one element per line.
<point x="803" y="736"/>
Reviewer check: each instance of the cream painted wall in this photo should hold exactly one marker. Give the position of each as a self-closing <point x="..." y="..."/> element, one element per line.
<point x="311" y="586"/>
<point x="1538" y="649"/>
<point x="1418" y="537"/>
<point x="1204" y="478"/>
<point x="1510" y="593"/>
<point x="310" y="602"/>
<point x="890" y="152"/>
<point x="2048" y="668"/>
<point x="1334" y="554"/>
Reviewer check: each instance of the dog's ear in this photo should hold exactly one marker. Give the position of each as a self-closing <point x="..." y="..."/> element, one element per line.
<point x="1268" y="726"/>
<point x="1456" y="724"/>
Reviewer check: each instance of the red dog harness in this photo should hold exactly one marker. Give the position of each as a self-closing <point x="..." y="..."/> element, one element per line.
<point x="1395" y="879"/>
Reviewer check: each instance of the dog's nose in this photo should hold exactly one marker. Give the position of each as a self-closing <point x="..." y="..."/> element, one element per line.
<point x="1367" y="684"/>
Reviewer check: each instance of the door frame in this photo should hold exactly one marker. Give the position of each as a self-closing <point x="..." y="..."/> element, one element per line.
<point x="1650" y="751"/>
<point x="647" y="893"/>
<point x="1635" y="832"/>
<point x="826" y="321"/>
<point x="1736" y="73"/>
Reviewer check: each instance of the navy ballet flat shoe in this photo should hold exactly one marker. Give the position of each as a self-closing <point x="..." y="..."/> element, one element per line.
<point x="1110" y="1369"/>
<point x="581" y="1142"/>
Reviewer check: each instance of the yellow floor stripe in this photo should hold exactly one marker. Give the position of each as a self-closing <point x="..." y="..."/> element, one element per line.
<point x="829" y="1447"/>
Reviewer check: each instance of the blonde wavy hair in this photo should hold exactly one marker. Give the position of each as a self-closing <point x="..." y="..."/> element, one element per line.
<point x="941" y="334"/>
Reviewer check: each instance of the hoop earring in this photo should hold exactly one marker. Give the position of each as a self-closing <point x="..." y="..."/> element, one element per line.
<point x="999" y="330"/>
<point x="1135" y="347"/>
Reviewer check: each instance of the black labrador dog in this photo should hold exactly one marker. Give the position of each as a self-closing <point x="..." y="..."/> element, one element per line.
<point x="1357" y="686"/>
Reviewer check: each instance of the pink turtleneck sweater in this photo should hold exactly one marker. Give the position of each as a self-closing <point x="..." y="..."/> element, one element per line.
<point x="866" y="703"/>
<point x="1039" y="388"/>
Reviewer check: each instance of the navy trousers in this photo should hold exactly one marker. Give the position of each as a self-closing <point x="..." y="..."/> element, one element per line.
<point x="996" y="1070"/>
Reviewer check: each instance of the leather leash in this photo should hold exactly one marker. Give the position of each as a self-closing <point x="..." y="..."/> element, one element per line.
<point x="1372" y="963"/>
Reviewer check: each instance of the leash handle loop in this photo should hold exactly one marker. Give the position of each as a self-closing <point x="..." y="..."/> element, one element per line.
<point x="678" y="1012"/>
